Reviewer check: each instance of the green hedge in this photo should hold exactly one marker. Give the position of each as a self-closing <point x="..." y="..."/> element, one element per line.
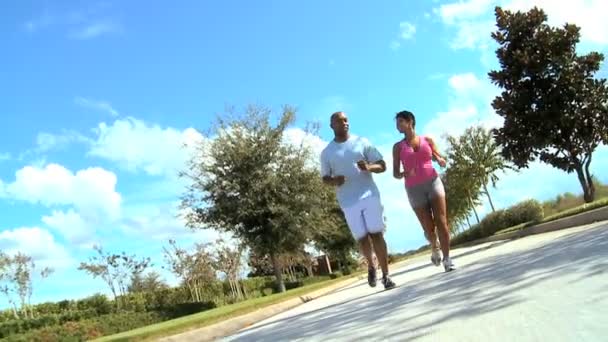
<point x="90" y="328"/>
<point x="523" y="212"/>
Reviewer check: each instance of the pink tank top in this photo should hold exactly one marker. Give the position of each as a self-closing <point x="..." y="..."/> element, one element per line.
<point x="419" y="162"/>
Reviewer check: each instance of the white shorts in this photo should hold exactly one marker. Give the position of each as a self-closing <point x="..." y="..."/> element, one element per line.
<point x="365" y="217"/>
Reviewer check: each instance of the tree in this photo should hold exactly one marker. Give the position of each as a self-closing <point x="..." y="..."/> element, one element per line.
<point x="554" y="109"/>
<point x="228" y="260"/>
<point x="332" y="235"/>
<point x="149" y="282"/>
<point x="195" y="269"/>
<point x="16" y="273"/>
<point x="462" y="193"/>
<point x="260" y="265"/>
<point x="115" y="270"/>
<point x="249" y="182"/>
<point x="476" y="152"/>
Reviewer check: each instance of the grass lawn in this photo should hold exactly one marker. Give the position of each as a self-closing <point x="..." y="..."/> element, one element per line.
<point x="222" y="313"/>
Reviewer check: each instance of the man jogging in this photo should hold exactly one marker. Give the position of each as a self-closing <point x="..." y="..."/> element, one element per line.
<point x="347" y="163"/>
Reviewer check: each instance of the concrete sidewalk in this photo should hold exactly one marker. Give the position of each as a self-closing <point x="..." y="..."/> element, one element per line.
<point x="547" y="287"/>
<point x="230" y="326"/>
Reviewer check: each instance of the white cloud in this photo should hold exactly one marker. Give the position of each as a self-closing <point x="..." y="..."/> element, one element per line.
<point x="469" y="103"/>
<point x="48" y="141"/>
<point x="474" y="20"/>
<point x="160" y="222"/>
<point x="298" y="136"/>
<point x="102" y="106"/>
<point x="97" y="29"/>
<point x="464" y="83"/>
<point x="407" y="31"/>
<point x="453" y="12"/>
<point x="39" y="23"/>
<point x="37" y="243"/>
<point x="91" y="191"/>
<point x="93" y="21"/>
<point x="72" y="226"/>
<point x="138" y="146"/>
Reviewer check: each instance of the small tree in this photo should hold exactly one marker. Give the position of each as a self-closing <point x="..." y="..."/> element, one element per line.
<point x="250" y="183"/>
<point x="149" y="282"/>
<point x="476" y="152"/>
<point x="228" y="260"/>
<point x="115" y="270"/>
<point x="16" y="274"/>
<point x="195" y="269"/>
<point x="554" y="109"/>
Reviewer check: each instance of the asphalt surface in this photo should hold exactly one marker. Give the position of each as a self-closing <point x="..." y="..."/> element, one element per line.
<point x="547" y="287"/>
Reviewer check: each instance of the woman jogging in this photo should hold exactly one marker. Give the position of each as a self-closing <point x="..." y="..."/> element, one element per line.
<point x="424" y="188"/>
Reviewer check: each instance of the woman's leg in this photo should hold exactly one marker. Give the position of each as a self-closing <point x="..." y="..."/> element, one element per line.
<point x="439" y="209"/>
<point x="425" y="217"/>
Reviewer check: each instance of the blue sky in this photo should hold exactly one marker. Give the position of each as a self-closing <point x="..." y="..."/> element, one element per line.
<point x="97" y="98"/>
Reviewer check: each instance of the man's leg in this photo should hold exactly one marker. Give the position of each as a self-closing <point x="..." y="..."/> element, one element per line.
<point x="365" y="247"/>
<point x="356" y="224"/>
<point x="381" y="251"/>
<point x="374" y="221"/>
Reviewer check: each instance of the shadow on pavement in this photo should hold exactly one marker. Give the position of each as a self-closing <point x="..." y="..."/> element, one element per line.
<point x="483" y="286"/>
<point x="427" y="264"/>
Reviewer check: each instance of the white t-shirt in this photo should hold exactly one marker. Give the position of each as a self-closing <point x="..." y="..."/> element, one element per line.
<point x="340" y="159"/>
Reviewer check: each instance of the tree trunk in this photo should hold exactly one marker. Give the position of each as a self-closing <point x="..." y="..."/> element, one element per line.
<point x="485" y="189"/>
<point x="590" y="184"/>
<point x="15" y="311"/>
<point x="474" y="211"/>
<point x="277" y="272"/>
<point x="585" y="180"/>
<point x="468" y="222"/>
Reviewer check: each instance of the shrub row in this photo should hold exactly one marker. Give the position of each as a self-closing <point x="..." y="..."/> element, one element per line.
<point x="523" y="212"/>
<point x="89" y="329"/>
<point x="164" y="304"/>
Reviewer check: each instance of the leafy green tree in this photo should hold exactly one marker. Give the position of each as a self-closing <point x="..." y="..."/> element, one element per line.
<point x="194" y="268"/>
<point x="554" y="109"/>
<point x="476" y="152"/>
<point x="249" y="182"/>
<point x="116" y="270"/>
<point x="332" y="235"/>
<point x="149" y="282"/>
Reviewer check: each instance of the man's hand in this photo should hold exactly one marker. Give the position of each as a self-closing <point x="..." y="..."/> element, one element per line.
<point x="377" y="167"/>
<point x="335" y="181"/>
<point x="363" y="166"/>
<point x="339" y="180"/>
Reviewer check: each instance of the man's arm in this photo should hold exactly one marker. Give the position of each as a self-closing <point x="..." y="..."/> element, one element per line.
<point x="327" y="172"/>
<point x="333" y="181"/>
<point x="375" y="167"/>
<point x="371" y="153"/>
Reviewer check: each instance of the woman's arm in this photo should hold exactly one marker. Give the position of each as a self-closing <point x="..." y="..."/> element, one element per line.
<point x="436" y="155"/>
<point x="397" y="162"/>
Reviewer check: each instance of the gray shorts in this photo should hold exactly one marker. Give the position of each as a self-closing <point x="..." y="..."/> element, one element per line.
<point x="420" y="195"/>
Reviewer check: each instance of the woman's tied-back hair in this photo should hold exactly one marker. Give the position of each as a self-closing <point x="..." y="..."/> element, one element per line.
<point x="407" y="115"/>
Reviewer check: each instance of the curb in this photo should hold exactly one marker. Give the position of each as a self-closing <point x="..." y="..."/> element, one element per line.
<point x="230" y="326"/>
<point x="588" y="217"/>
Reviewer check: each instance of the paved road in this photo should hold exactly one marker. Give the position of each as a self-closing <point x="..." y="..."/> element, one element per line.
<point x="548" y="287"/>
